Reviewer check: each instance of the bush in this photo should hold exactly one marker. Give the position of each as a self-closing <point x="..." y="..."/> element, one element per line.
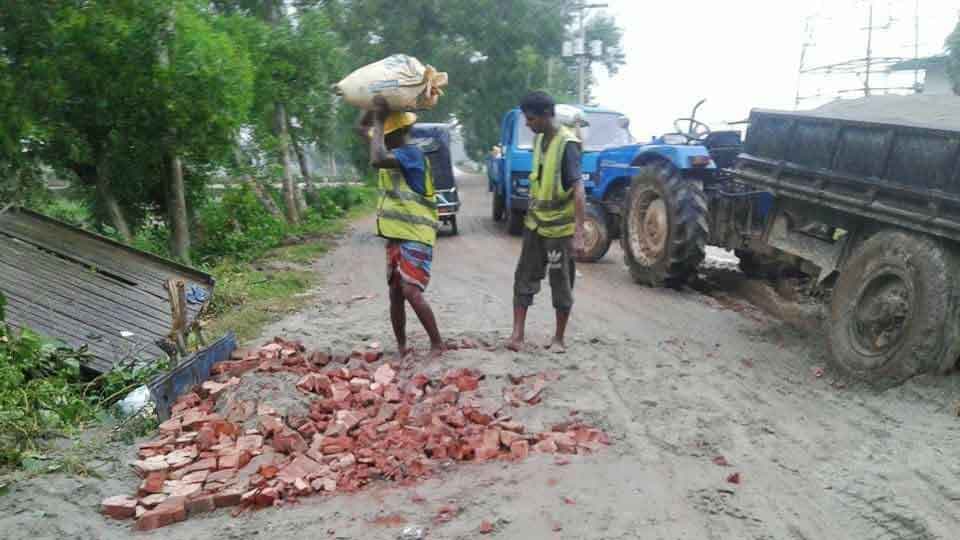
<point x="71" y="211"/>
<point x="237" y="226"/>
<point x="43" y="394"/>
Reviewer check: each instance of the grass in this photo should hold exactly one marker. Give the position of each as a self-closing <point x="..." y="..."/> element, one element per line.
<point x="249" y="296"/>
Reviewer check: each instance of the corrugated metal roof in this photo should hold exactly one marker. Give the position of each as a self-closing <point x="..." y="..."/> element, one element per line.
<point x="85" y="289"/>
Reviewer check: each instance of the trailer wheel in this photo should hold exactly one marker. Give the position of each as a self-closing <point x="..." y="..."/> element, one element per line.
<point x="515" y="222"/>
<point x="596" y="237"/>
<point x="497" y="206"/>
<point x="664" y="226"/>
<point x="892" y="314"/>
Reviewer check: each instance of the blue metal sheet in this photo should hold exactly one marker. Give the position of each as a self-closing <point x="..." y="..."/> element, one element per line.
<point x="166" y="388"/>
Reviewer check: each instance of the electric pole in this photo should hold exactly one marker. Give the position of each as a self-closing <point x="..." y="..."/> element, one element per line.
<point x="580" y="49"/>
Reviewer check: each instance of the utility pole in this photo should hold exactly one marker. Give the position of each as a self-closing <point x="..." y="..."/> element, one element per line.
<point x="916" y="44"/>
<point x="581" y="51"/>
<point x="866" y="83"/>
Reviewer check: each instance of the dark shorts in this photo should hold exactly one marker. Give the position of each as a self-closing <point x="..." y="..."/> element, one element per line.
<point x="408" y="262"/>
<point x="539" y="258"/>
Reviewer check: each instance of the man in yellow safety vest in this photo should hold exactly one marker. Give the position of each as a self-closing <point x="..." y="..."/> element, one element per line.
<point x="553" y="231"/>
<point x="406" y="218"/>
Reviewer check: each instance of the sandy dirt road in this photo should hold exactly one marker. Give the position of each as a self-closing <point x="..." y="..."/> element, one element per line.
<point x="676" y="378"/>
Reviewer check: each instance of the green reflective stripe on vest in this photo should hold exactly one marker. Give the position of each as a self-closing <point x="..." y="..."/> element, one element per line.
<point x="549" y="205"/>
<point x="407" y="218"/>
<point x="551" y="211"/>
<point x="403" y="214"/>
<point x="554" y="222"/>
<point x="410" y="196"/>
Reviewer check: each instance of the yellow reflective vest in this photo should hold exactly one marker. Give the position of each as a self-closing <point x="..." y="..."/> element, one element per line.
<point x="551" y="207"/>
<point x="404" y="214"/>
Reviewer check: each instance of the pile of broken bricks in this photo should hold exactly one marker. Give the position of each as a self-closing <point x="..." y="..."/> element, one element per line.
<point x="364" y="424"/>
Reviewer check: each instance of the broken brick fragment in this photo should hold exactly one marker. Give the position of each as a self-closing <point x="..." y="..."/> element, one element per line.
<point x="269" y="425"/>
<point x="119" y="507"/>
<point x="227" y="498"/>
<point x="546" y="446"/>
<point x="196" y="477"/>
<point x="384" y="374"/>
<point x="519" y="449"/>
<point x="289" y="441"/>
<point x="153" y="483"/>
<point x="486" y="527"/>
<point x="200" y="504"/>
<point x="168" y="512"/>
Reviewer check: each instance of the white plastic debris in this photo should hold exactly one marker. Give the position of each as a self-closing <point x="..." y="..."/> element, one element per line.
<point x="135" y="401"/>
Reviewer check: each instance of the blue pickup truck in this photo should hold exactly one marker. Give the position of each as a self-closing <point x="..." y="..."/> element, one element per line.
<point x="611" y="159"/>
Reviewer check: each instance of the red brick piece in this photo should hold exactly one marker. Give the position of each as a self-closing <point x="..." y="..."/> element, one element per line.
<point x="200" y="504"/>
<point x="228" y="498"/>
<point x="170" y="511"/>
<point x="289" y="441"/>
<point x="519" y="449"/>
<point x="119" y="507"/>
<point x="153" y="483"/>
<point x="546" y="446"/>
<point x="486" y="527"/>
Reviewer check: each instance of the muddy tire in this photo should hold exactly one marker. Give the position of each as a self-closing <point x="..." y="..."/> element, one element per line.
<point x="893" y="311"/>
<point x="596" y="237"/>
<point x="497" y="206"/>
<point x="515" y="222"/>
<point x="664" y="226"/>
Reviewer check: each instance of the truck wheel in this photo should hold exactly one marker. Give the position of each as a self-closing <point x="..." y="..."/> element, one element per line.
<point x="515" y="222"/>
<point x="498" y="206"/>
<point x="596" y="237"/>
<point x="664" y="226"/>
<point x="892" y="314"/>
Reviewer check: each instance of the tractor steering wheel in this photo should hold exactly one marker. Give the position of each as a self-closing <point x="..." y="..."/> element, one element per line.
<point x="694" y="130"/>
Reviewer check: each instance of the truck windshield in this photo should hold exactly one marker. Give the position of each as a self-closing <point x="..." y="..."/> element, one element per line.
<point x="605" y="131"/>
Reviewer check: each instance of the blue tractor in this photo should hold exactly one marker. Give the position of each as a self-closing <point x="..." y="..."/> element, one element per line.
<point x="649" y="195"/>
<point x="671" y="197"/>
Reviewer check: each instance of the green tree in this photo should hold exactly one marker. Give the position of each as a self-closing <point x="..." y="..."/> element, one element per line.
<point x="953" y="60"/>
<point x="297" y="59"/>
<point x="494" y="50"/>
<point x="116" y="89"/>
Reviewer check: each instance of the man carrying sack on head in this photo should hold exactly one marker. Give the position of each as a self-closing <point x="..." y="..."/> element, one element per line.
<point x="406" y="217"/>
<point x="553" y="231"/>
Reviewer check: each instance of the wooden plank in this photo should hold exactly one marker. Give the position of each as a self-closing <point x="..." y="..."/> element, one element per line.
<point x="86" y="287"/>
<point x="83" y="307"/>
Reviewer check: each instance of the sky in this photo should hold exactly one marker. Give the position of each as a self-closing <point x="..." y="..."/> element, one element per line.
<point x="741" y="54"/>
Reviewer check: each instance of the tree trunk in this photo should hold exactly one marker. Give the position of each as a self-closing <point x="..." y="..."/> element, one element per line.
<point x="111" y="204"/>
<point x="301" y="158"/>
<point x="265" y="199"/>
<point x="177" y="219"/>
<point x="308" y="187"/>
<point x="283" y="143"/>
<point x="177" y="207"/>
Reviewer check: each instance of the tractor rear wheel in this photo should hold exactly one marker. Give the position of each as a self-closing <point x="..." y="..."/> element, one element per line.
<point x="664" y="226"/>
